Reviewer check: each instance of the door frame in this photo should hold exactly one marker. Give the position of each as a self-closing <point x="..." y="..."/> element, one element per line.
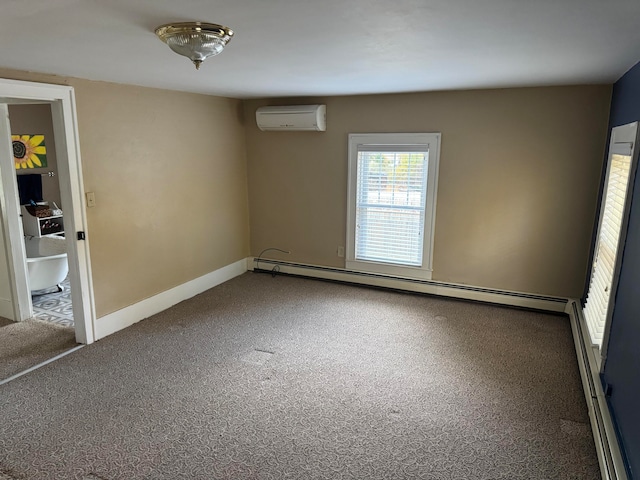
<point x="65" y="128"/>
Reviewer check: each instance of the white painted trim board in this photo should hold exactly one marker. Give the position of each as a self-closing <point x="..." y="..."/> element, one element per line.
<point x="41" y="364"/>
<point x="127" y="316"/>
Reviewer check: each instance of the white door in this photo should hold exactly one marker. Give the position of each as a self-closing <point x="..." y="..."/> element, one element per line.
<point x="614" y="213"/>
<point x="16" y="274"/>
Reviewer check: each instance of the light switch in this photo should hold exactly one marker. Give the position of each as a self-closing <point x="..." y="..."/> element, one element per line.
<point x="91" y="199"/>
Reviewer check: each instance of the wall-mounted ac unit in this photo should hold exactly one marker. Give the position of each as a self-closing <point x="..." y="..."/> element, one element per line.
<point x="296" y="117"/>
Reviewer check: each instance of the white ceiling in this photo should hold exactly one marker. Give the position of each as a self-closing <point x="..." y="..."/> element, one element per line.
<point x="329" y="47"/>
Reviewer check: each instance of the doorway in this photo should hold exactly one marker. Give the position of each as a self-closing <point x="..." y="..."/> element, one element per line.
<point x="36" y="167"/>
<point x="61" y="100"/>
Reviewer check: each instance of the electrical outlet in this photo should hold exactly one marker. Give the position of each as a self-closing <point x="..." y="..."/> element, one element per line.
<point x="341" y="252"/>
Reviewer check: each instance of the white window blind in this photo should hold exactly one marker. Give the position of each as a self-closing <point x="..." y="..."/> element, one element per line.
<point x="390" y="204"/>
<point x="392" y="183"/>
<point x="611" y="221"/>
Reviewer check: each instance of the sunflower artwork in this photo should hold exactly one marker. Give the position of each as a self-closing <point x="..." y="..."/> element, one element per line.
<point x="29" y="151"/>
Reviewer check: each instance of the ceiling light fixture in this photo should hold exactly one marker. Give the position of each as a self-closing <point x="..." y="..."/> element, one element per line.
<point x="195" y="40"/>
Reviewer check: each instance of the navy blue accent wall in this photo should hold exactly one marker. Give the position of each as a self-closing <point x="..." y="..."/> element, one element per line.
<point x="622" y="368"/>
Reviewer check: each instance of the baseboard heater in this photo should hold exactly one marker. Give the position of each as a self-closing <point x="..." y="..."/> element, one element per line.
<point x="608" y="450"/>
<point x="468" y="292"/>
<point x="612" y="464"/>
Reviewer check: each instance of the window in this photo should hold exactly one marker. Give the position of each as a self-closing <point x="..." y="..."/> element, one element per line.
<point x="614" y="212"/>
<point x="391" y="197"/>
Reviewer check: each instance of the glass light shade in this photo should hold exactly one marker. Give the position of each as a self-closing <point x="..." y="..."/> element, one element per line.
<point x="195" y="40"/>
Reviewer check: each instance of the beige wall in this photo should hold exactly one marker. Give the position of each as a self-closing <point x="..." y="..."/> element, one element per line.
<point x="31" y="120"/>
<point x="169" y="173"/>
<point x="519" y="175"/>
<point x="517" y="190"/>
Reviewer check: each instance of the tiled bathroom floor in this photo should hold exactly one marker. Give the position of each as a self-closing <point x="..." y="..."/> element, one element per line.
<point x="54" y="307"/>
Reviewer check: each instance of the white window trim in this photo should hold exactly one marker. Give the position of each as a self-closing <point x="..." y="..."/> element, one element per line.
<point x="623" y="141"/>
<point x="433" y="141"/>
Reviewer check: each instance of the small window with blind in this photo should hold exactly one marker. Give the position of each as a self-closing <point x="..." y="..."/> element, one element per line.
<point x="391" y="203"/>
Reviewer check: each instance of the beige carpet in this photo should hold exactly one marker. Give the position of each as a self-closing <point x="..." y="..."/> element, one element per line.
<point x="287" y="378"/>
<point x="25" y="344"/>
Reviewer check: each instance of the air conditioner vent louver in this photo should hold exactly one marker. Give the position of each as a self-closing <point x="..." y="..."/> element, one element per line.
<point x="292" y="118"/>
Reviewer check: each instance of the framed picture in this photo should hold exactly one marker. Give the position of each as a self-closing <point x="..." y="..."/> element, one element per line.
<point x="29" y="151"/>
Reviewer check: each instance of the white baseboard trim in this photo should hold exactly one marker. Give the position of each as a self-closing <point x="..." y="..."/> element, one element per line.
<point x="607" y="447"/>
<point x="468" y="292"/>
<point x="6" y="308"/>
<point x="127" y="316"/>
<point x="606" y="441"/>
